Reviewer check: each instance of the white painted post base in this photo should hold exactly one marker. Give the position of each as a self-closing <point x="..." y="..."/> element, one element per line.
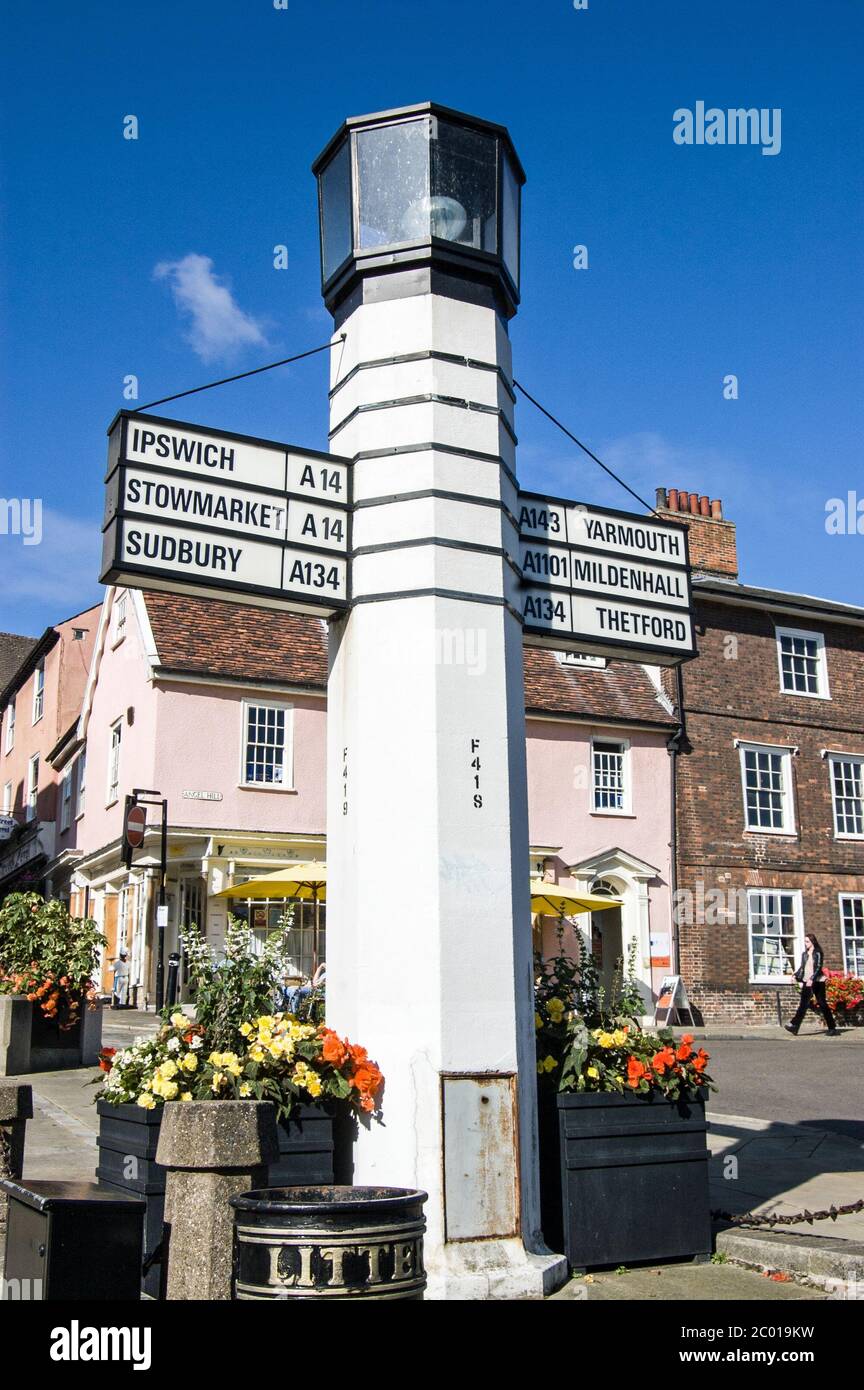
<point x="479" y="1270"/>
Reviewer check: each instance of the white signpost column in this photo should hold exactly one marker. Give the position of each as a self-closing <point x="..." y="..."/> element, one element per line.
<point x="428" y="917"/>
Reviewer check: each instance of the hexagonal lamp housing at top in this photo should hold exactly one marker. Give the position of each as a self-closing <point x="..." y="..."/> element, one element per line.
<point x="421" y="185"/>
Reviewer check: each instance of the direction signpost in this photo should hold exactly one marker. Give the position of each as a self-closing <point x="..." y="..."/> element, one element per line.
<point x="424" y="757"/>
<point x="604" y="582"/>
<point x="205" y="512"/>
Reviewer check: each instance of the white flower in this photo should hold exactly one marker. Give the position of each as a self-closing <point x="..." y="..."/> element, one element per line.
<point x="197" y="1042"/>
<point x="173" y="1044"/>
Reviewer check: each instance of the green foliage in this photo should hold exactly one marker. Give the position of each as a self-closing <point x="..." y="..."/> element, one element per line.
<point x="41" y="938"/>
<point x="241" y="984"/>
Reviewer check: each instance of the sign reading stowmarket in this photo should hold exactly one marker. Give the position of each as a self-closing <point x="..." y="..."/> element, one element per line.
<point x="605" y="582"/>
<point x="195" y="510"/>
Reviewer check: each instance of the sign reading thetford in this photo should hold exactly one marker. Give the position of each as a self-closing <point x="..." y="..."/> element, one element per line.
<point x="195" y="510"/>
<point x="600" y="581"/>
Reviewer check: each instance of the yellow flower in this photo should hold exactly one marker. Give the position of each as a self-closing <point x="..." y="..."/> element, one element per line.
<point x="276" y="1048"/>
<point x="218" y="1081"/>
<point x="187" y="1095"/>
<point x="555" y="1008"/>
<point x="215" y="1059"/>
<point x="233" y="1068"/>
<point x="190" y="1062"/>
<point x="245" y="1089"/>
<point x="606" y="1039"/>
<point x="620" y="1036"/>
<point x="313" y="1084"/>
<point x="146" y="1101"/>
<point x="548" y="1064"/>
<point x="179" y="1020"/>
<point x="167" y="1070"/>
<point x="257" y="1053"/>
<point x="592" y="1072"/>
<point x="538" y="1022"/>
<point x="245" y="1029"/>
<point x="170" y="1089"/>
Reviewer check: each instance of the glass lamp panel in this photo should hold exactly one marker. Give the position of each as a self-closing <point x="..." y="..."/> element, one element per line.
<point x="510" y="219"/>
<point x="393" y="184"/>
<point x="463" y="203"/>
<point x="336" y="211"/>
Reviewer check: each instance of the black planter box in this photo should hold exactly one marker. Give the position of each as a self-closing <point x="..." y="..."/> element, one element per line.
<point x="624" y="1178"/>
<point x="129" y="1134"/>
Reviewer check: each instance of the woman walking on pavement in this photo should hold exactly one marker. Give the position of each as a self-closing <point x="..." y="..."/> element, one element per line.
<point x="811" y="977"/>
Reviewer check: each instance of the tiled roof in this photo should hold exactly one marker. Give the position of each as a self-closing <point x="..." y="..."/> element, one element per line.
<point x="13" y="651"/>
<point x="205" y="637"/>
<point x="620" y="691"/>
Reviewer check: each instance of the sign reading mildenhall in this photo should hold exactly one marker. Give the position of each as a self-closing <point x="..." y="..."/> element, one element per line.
<point x="194" y="510"/>
<point x="597" y="580"/>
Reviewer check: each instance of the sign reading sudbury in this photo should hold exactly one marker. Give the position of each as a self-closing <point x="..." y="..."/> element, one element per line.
<point x="604" y="581"/>
<point x="194" y="510"/>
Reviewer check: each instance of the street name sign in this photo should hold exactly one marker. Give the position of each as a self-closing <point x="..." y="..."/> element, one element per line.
<point x="604" y="582"/>
<point x="199" y="511"/>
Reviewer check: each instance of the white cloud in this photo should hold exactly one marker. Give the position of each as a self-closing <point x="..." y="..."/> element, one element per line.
<point x="217" y="324"/>
<point x="62" y="572"/>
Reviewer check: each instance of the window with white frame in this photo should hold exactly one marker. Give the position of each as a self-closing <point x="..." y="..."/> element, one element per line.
<point x="32" y="786"/>
<point x="267" y="751"/>
<point x="847" y="794"/>
<point x="81" y="765"/>
<point x="38" y="692"/>
<point x="10" y="726"/>
<point x="66" y="800"/>
<point x="610" y="792"/>
<point x="803" y="666"/>
<point x="120" y="606"/>
<point x="852" y="926"/>
<point x="766" y="777"/>
<point x="776" y="933"/>
<point x="114" y="761"/>
<point x="581" y="659"/>
<point x="7" y="799"/>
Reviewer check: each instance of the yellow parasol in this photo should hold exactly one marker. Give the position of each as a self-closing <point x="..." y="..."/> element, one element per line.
<point x="551" y="900"/>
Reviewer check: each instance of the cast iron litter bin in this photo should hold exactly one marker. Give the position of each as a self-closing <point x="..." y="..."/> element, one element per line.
<point x="329" y="1242"/>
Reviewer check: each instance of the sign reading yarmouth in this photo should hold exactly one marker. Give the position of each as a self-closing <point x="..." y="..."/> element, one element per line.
<point x="193" y="510"/>
<point x="606" y="582"/>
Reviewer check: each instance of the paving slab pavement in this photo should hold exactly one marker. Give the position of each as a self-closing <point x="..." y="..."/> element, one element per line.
<point x="686" y="1283"/>
<point x="779" y="1169"/>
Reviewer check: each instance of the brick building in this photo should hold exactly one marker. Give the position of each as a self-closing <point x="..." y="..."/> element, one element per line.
<point x="769" y="781"/>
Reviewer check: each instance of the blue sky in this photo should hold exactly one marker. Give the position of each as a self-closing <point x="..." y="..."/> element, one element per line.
<point x="703" y="261"/>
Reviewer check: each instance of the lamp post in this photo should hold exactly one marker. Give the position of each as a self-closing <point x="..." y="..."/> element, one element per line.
<point x="431" y="963"/>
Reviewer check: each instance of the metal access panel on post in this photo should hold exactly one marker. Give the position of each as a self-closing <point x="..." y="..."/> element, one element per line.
<point x="221" y="515"/>
<point x="604" y="582"/>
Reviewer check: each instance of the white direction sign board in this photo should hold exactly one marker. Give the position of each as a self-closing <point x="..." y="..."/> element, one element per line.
<point x="195" y="510"/>
<point x="606" y="582"/>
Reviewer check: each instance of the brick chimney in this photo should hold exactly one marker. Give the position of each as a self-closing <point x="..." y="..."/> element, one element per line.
<point x="712" y="540"/>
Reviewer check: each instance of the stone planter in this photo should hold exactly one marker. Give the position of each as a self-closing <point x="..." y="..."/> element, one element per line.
<point x="624" y="1179"/>
<point x="213" y="1150"/>
<point x="128" y="1139"/>
<point x="29" y="1042"/>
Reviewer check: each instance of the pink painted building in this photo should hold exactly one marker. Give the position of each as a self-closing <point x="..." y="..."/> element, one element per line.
<point x="41" y="696"/>
<point x="221" y="709"/>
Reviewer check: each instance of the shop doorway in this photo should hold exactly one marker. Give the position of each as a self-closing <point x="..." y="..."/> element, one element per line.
<point x="607" y="945"/>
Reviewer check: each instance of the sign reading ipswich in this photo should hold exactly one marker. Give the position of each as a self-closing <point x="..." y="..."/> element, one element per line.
<point x="192" y="510"/>
<point x="604" y="582"/>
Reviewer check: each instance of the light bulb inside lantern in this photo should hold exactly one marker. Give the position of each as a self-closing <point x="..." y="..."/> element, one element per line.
<point x="444" y="217"/>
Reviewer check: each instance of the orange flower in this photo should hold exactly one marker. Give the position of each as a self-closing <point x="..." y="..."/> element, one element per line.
<point x="334" y="1050"/>
<point x="684" y="1052"/>
<point x="367" y="1079"/>
<point x="687" y="1039"/>
<point x="663" y="1059"/>
<point x="635" y="1071"/>
<point x="700" y="1061"/>
<point x="106" y="1058"/>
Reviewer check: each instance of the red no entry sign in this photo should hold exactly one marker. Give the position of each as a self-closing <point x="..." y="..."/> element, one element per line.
<point x="136" y="824"/>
